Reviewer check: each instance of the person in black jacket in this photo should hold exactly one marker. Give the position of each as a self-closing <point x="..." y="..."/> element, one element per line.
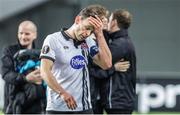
<point x="117" y="89"/>
<point x="23" y="90"/>
<point x="95" y="76"/>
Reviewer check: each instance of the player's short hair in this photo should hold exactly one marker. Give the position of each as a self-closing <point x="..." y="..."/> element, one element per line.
<point x="93" y="10"/>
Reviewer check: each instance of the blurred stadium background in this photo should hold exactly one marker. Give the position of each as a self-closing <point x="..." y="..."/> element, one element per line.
<point x="155" y="32"/>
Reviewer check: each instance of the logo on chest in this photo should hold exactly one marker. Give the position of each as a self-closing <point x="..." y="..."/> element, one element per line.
<point x="84" y="46"/>
<point x="78" y="62"/>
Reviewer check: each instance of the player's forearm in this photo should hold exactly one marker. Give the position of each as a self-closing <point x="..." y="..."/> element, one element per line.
<point x="105" y="56"/>
<point x="51" y="82"/>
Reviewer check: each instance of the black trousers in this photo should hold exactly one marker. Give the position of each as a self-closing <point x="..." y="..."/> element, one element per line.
<point x="97" y="107"/>
<point x="70" y="112"/>
<point x="119" y="111"/>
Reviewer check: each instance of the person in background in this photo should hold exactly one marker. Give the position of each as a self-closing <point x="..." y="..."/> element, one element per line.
<point x="18" y="100"/>
<point x="64" y="62"/>
<point x="118" y="88"/>
<point x="95" y="72"/>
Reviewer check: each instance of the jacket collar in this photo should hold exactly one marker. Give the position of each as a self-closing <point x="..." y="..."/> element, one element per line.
<point x="119" y="34"/>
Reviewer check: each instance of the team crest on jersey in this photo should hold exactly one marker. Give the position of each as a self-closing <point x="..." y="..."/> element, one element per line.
<point x="45" y="49"/>
<point x="78" y="62"/>
<point x="84" y="46"/>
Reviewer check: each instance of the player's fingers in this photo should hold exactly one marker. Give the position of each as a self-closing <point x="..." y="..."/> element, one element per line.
<point x="98" y="18"/>
<point x="68" y="103"/>
<point x="74" y="103"/>
<point x="95" y="22"/>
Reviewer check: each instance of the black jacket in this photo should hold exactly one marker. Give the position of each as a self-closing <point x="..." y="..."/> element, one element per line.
<point x="16" y="98"/>
<point x="117" y="89"/>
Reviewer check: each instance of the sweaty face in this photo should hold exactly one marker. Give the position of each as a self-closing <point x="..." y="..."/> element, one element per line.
<point x="26" y="35"/>
<point x="84" y="29"/>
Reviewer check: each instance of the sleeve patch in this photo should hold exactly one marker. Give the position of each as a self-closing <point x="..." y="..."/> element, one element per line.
<point x="45" y="49"/>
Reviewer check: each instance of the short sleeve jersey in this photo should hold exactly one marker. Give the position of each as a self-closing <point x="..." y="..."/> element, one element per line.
<point x="69" y="69"/>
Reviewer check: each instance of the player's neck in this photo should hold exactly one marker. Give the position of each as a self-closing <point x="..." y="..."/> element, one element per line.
<point x="70" y="33"/>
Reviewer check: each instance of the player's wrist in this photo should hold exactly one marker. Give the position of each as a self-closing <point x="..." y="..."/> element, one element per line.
<point x="99" y="34"/>
<point x="60" y="92"/>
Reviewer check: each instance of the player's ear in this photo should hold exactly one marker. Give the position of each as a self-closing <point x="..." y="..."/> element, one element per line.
<point x="114" y="23"/>
<point x="77" y="19"/>
<point x="34" y="35"/>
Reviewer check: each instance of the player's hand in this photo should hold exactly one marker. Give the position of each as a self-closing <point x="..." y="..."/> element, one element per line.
<point x="69" y="99"/>
<point x="97" y="24"/>
<point x="34" y="77"/>
<point x="122" y="66"/>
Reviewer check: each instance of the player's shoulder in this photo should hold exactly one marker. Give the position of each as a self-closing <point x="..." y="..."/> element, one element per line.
<point x="55" y="34"/>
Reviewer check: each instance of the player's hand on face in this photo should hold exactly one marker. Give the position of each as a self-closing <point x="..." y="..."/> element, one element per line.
<point x="34" y="77"/>
<point x="122" y="66"/>
<point x="69" y="99"/>
<point x="96" y="23"/>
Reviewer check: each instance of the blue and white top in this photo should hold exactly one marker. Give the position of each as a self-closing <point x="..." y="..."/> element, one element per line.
<point x="69" y="69"/>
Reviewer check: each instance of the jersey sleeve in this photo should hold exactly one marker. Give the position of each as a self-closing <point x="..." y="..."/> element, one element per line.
<point x="92" y="44"/>
<point x="48" y="49"/>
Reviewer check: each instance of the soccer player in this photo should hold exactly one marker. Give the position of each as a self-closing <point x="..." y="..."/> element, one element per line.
<point x="64" y="60"/>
